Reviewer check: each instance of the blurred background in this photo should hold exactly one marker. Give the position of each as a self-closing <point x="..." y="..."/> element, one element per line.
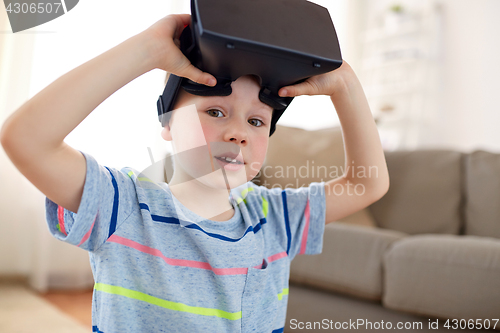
<point x="429" y="68"/>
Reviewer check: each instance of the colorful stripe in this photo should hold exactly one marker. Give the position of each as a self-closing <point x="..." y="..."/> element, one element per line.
<point x="95" y="329"/>
<point x="175" y="306"/>
<point x="244" y="193"/>
<point x="174" y="220"/>
<point x="287" y="222"/>
<point x="303" y="244"/>
<point x="283" y="293"/>
<point x="144" y="179"/>
<point x="60" y="217"/>
<point x="224" y="238"/>
<point x="141" y="179"/>
<point x="279" y="330"/>
<point x="265" y="207"/>
<point x="176" y="262"/>
<point x="276" y="256"/>
<point x="87" y="235"/>
<point x="188" y="263"/>
<point x="114" y="214"/>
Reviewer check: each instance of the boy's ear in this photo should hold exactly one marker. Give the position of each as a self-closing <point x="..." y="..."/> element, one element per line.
<point x="165" y="133"/>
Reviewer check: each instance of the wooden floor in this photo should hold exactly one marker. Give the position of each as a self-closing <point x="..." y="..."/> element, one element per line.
<point x="77" y="304"/>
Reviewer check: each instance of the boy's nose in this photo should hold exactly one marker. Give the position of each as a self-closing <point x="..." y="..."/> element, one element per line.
<point x="236" y="133"/>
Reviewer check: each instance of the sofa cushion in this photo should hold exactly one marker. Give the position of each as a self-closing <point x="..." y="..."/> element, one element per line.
<point x="307" y="306"/>
<point x="296" y="157"/>
<point x="425" y="192"/>
<point x="482" y="184"/>
<point x="444" y="276"/>
<point x="351" y="261"/>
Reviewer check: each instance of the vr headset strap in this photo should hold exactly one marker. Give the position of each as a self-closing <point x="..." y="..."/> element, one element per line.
<point x="168" y="97"/>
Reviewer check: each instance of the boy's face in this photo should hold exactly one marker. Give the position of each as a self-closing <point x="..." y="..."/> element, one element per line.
<point x="206" y="131"/>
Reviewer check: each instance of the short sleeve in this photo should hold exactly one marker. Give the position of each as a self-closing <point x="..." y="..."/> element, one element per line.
<point x="107" y="201"/>
<point x="297" y="216"/>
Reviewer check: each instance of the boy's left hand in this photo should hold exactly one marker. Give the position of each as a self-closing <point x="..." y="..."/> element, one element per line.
<point x="324" y="84"/>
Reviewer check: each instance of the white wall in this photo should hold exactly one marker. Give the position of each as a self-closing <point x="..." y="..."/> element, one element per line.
<point x="315" y="112"/>
<point x="468" y="113"/>
<point x="470" y="118"/>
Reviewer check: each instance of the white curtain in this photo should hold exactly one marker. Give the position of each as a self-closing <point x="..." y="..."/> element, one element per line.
<point x="20" y="202"/>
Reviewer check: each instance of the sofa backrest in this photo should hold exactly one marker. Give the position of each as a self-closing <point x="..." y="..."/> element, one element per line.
<point x="425" y="193"/>
<point x="482" y="188"/>
<point x="296" y="157"/>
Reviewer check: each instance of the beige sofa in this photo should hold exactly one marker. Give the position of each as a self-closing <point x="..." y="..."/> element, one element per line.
<point x="428" y="251"/>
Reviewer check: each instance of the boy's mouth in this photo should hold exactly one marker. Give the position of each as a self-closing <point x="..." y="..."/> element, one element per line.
<point x="229" y="163"/>
<point x="227" y="159"/>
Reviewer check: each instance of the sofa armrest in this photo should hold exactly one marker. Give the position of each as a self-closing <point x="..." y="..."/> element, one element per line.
<point x="351" y="261"/>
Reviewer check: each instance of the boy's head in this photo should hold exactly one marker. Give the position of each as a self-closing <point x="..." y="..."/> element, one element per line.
<point x="233" y="120"/>
<point x="220" y="140"/>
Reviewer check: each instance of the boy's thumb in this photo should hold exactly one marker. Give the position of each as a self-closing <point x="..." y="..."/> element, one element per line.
<point x="303" y="88"/>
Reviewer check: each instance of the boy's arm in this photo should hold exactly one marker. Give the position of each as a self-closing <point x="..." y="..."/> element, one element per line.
<point x="33" y="135"/>
<point x="366" y="178"/>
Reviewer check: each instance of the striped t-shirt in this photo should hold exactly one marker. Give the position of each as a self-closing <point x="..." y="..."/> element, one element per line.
<point x="158" y="267"/>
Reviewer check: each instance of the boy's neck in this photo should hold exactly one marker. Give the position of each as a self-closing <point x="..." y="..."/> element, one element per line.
<point x="227" y="215"/>
<point x="209" y="203"/>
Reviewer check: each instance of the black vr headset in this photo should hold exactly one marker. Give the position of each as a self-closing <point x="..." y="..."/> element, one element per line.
<point x="283" y="42"/>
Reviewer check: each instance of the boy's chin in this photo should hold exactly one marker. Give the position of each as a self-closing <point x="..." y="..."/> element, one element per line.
<point x="217" y="180"/>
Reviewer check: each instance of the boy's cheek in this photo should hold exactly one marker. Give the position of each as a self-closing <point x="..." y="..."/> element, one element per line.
<point x="258" y="155"/>
<point x="209" y="133"/>
<point x="253" y="170"/>
<point x="261" y="148"/>
<point x="188" y="129"/>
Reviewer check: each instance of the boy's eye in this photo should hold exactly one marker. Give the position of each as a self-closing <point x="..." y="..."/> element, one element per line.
<point x="215" y="113"/>
<point x="256" y="122"/>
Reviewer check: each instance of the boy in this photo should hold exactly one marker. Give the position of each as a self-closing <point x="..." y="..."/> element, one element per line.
<point x="210" y="251"/>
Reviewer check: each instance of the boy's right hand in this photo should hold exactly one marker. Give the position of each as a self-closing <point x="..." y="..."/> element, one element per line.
<point x="165" y="49"/>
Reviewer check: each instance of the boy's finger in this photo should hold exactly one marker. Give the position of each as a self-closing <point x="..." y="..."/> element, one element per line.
<point x="186" y="18"/>
<point x="182" y="21"/>
<point x="284" y="92"/>
<point x="196" y="75"/>
<point x="303" y="88"/>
